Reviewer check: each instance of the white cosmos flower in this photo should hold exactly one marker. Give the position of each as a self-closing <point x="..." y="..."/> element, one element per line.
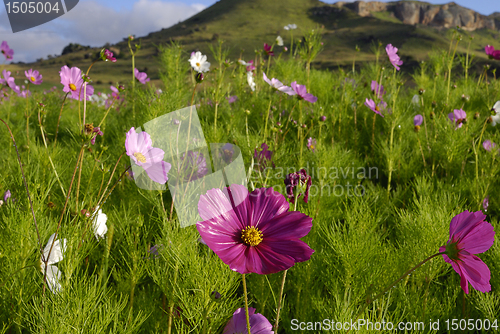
<point x="279" y="41"/>
<point x="244" y="63"/>
<point x="99" y="224"/>
<point x="290" y="27"/>
<point x="496" y="118"/>
<point x="56" y="255"/>
<point x="250" y="81"/>
<point x="199" y="62"/>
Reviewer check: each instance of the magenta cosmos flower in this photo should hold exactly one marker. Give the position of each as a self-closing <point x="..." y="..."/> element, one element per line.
<point x="469" y="234"/>
<point x="194" y="167"/>
<point x="458" y="116"/>
<point x="141" y="76"/>
<point x="263" y="157"/>
<point x="33" y="76"/>
<point x="393" y="56"/>
<point x="302" y="93"/>
<point x="492" y="53"/>
<point x="140" y="149"/>
<point x="298" y="184"/>
<point x="268" y="49"/>
<point x="6" y="51"/>
<point x="238" y="323"/>
<point x="376" y="108"/>
<point x="10" y="81"/>
<point x="278" y="85"/>
<point x="72" y="81"/>
<point x="253" y="233"/>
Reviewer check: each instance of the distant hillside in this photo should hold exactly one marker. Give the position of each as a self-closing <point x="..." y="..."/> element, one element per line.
<point x="416" y="28"/>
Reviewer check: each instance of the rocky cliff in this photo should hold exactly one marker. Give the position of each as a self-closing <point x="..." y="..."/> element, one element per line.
<point x="414" y="12"/>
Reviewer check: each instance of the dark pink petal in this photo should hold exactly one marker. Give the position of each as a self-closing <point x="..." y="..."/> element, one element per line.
<point x="272" y="261"/>
<point x="287" y="226"/>
<point x="265" y="205"/>
<point x="467" y="221"/>
<point x="259" y="324"/>
<point x="310" y="98"/>
<point x="214" y="204"/>
<point x="297" y="249"/>
<point x="463" y="279"/>
<point x="479" y="239"/>
<point x="476" y="272"/>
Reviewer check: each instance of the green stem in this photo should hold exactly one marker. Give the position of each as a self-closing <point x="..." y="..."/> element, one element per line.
<point x="59" y="118"/>
<point x="267" y="119"/>
<point x="50" y="159"/>
<point x="246" y="303"/>
<point x="281" y="296"/>
<point x="450" y="65"/>
<point x="27" y="116"/>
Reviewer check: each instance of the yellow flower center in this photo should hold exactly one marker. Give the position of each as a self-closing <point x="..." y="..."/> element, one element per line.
<point x="198" y="64"/>
<point x="377" y="108"/>
<point x="140" y="157"/>
<point x="33" y="79"/>
<point x="72" y="87"/>
<point x="251" y="236"/>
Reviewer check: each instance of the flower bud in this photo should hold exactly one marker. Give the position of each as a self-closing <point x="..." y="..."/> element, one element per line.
<point x="322" y="118"/>
<point x="247" y="112"/>
<point x="304" y="126"/>
<point x="417" y="128"/>
<point x="215" y="296"/>
<point x="432" y="115"/>
<point x="199" y="77"/>
<point x="421" y="91"/>
<point x="465" y="98"/>
<point x="490" y="120"/>
<point x="476" y="115"/>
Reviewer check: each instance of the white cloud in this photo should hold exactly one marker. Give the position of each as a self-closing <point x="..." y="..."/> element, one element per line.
<point x="91" y="23"/>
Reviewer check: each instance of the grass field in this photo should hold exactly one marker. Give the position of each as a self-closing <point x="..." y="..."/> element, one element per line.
<point x="381" y="200"/>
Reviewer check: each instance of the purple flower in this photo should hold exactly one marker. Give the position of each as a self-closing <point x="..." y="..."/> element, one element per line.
<point x="374" y="107"/>
<point x="253" y="233"/>
<point x="227" y="152"/>
<point x="486" y="203"/>
<point x="238" y="323"/>
<point x="268" y="49"/>
<point x="141" y="76"/>
<point x="458" y="116"/>
<point x="393" y="56"/>
<point x="311" y="144"/>
<point x="322" y="118"/>
<point x="10" y="81"/>
<point x="488" y="145"/>
<point x="492" y="53"/>
<point x="278" y="85"/>
<point x="72" y="81"/>
<point x="194" y="167"/>
<point x="377" y="89"/>
<point x="232" y="99"/>
<point x="33" y="76"/>
<point x="6" y="51"/>
<point x="263" y="157"/>
<point x="469" y="234"/>
<point x="302" y="93"/>
<point x="6" y="196"/>
<point x="139" y="148"/>
<point x="417" y="120"/>
<point x="107" y="55"/>
<point x="97" y="131"/>
<point x="299" y="180"/>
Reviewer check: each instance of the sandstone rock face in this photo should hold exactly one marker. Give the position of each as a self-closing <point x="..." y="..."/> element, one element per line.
<point x="442" y="16"/>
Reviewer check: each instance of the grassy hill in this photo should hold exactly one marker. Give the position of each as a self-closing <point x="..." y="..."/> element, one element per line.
<point x="245" y="25"/>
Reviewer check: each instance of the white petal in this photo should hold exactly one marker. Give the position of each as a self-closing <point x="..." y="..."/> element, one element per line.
<point x="99" y="224"/>
<point x="56" y="254"/>
<point x="53" y="278"/>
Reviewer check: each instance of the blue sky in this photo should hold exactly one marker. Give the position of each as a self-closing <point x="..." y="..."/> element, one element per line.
<point x="95" y="23"/>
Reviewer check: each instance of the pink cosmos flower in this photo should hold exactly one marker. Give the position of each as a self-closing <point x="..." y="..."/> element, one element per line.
<point x="469" y="234"/>
<point x="302" y="93"/>
<point x="278" y="85"/>
<point x="492" y="53"/>
<point x="311" y="144"/>
<point x="417" y="120"/>
<point x="10" y="81"/>
<point x="33" y="76"/>
<point x="374" y="107"/>
<point x="393" y="56"/>
<point x="458" y="116"/>
<point x="250" y="66"/>
<point x="488" y="145"/>
<point x="6" y="51"/>
<point x="108" y="55"/>
<point x="253" y="233"/>
<point x="238" y="323"/>
<point x="141" y="76"/>
<point x="139" y="148"/>
<point x="268" y="50"/>
<point x="298" y="184"/>
<point x="377" y="89"/>
<point x="72" y="81"/>
<point x="232" y="99"/>
<point x="97" y="131"/>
